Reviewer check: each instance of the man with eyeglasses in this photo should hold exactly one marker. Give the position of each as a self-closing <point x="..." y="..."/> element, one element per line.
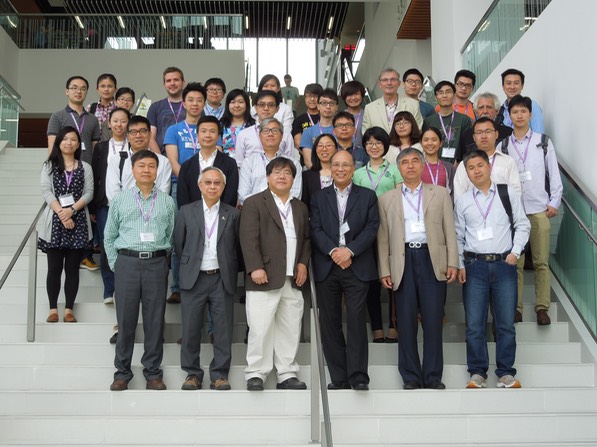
<point x="344" y="223"/>
<point x="503" y="168"/>
<point x="248" y="141"/>
<point x="216" y="89"/>
<point x="274" y="237"/>
<point x="310" y="117"/>
<point x="74" y="114"/>
<point x="327" y="104"/>
<point x="119" y="176"/>
<point x="464" y="81"/>
<point x="381" y="111"/>
<point x="253" y="178"/>
<point x="344" y="131"/>
<point x="451" y="123"/>
<point x="413" y="85"/>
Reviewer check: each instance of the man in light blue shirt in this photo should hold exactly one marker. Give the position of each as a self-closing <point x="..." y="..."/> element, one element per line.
<point x="513" y="83"/>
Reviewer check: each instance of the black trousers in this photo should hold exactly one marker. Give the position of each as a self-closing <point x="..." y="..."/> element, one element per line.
<point x="60" y="260"/>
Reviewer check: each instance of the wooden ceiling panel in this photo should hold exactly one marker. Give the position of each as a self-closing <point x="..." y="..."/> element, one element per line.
<point x="417" y="22"/>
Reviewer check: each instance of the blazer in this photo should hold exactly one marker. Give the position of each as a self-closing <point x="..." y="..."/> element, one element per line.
<point x="362" y="216"/>
<point x="375" y="113"/>
<point x="311" y="186"/>
<point x="439" y="228"/>
<point x="188" y="190"/>
<point x="189" y="238"/>
<point x="263" y="240"/>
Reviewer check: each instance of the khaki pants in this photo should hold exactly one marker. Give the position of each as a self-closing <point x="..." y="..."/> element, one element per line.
<point x="539" y="239"/>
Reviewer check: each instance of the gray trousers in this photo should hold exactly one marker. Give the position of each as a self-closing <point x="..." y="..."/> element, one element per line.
<point x="140" y="282"/>
<point x="208" y="292"/>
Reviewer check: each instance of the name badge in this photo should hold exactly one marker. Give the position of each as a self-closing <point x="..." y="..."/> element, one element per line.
<point x="66" y="200"/>
<point x="525" y="176"/>
<point x="417" y="227"/>
<point x="147" y="237"/>
<point x="449" y="152"/>
<point x="83" y="148"/>
<point x="485" y="233"/>
<point x="344" y="228"/>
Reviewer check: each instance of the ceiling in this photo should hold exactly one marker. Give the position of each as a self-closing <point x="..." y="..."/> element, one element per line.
<point x="266" y="18"/>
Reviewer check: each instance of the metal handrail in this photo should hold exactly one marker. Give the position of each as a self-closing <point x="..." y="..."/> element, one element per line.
<point x="31" y="237"/>
<point x="318" y="375"/>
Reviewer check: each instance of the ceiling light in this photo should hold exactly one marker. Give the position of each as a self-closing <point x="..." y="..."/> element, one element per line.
<point x="163" y="21"/>
<point x="13" y="24"/>
<point x="288" y="23"/>
<point x="121" y="22"/>
<point x="79" y="22"/>
<point x="246" y="22"/>
<point x="331" y="23"/>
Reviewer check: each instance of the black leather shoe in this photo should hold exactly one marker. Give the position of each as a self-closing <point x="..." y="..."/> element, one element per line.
<point x="338" y="386"/>
<point x="361" y="386"/>
<point x="411" y="385"/>
<point x="114" y="338"/>
<point x="436" y="385"/>
<point x="255" y="384"/>
<point x="291" y="384"/>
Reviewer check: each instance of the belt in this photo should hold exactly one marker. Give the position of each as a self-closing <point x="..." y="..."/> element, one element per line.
<point x="487" y="257"/>
<point x="416" y="245"/>
<point x="210" y="272"/>
<point x="143" y="254"/>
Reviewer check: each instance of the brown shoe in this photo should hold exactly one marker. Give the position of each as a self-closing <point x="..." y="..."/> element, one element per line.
<point x="155" y="384"/>
<point x="220" y="385"/>
<point x="119" y="385"/>
<point x="518" y="317"/>
<point x="69" y="318"/>
<point x="174" y="298"/>
<point x="52" y="318"/>
<point x="542" y="318"/>
<point x="191" y="383"/>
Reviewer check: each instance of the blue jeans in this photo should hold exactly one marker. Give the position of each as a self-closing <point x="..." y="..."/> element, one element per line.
<point x="495" y="284"/>
<point x="101" y="217"/>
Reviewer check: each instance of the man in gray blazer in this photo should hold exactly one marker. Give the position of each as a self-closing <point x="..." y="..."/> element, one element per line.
<point x="206" y="240"/>
<point x="274" y="237"/>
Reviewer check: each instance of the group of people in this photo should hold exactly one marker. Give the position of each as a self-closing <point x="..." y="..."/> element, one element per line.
<point x="398" y="194"/>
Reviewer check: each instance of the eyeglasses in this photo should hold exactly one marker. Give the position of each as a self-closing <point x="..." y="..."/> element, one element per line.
<point x="464" y="85"/>
<point x="343" y="125"/>
<point x="215" y="90"/>
<point x="74" y="88"/>
<point x="215" y="183"/>
<point x="402" y="123"/>
<point x="265" y="105"/>
<point x="135" y="132"/>
<point x="310" y="97"/>
<point x="413" y="82"/>
<point x="484" y="132"/>
<point x="327" y="103"/>
<point x="274" y="131"/>
<point x="374" y="144"/>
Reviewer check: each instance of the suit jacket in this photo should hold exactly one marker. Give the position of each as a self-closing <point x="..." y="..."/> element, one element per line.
<point x="362" y="215"/>
<point x="375" y="113"/>
<point x="189" y="239"/>
<point x="189" y="192"/>
<point x="263" y="240"/>
<point x="439" y="227"/>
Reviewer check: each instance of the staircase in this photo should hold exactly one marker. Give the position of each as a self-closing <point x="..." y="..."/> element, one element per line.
<point x="55" y="391"/>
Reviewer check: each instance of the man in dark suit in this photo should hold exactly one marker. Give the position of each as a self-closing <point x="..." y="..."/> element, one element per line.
<point x="274" y="237"/>
<point x="206" y="240"/>
<point x="344" y="223"/>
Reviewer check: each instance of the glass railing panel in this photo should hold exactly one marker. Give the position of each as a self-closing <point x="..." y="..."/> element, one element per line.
<point x="9" y="113"/>
<point x="573" y="257"/>
<point x="499" y="30"/>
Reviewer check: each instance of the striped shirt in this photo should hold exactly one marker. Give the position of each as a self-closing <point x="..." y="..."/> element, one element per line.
<point x="126" y="222"/>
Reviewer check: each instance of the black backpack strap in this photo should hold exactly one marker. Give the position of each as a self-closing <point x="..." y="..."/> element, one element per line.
<point x="499" y="119"/>
<point x="544" y="144"/>
<point x="93" y="108"/>
<point x="505" y="198"/>
<point x="504" y="147"/>
<point x="123" y="156"/>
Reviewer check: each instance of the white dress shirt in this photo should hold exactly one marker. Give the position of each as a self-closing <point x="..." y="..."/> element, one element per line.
<point x="210" y="249"/>
<point x="285" y="211"/>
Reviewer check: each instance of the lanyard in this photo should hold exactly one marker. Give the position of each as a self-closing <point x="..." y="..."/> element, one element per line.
<point x="374" y="185"/>
<point x="69" y="178"/>
<point x="342" y="209"/>
<point x="192" y="137"/>
<point x="522" y="157"/>
<point x="79" y="129"/>
<point x="485" y="213"/>
<point x="113" y="144"/>
<point x="146" y="216"/>
<point x="285" y="215"/>
<point x="310" y="119"/>
<point x="435" y="180"/>
<point x="176" y="115"/>
<point x="411" y="204"/>
<point x="493" y="161"/>
<point x="441" y="121"/>
<point x="209" y="231"/>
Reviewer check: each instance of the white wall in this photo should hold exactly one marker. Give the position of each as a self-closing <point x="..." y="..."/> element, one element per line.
<point x="557" y="56"/>
<point x="9" y="57"/>
<point x="452" y="22"/>
<point x="42" y="73"/>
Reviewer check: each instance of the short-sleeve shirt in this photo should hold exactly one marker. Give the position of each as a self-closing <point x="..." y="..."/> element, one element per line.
<point x="454" y="128"/>
<point x="178" y="134"/>
<point x="383" y="180"/>
<point x="302" y="122"/>
<point x="86" y="123"/>
<point x="311" y="133"/>
<point x="162" y="114"/>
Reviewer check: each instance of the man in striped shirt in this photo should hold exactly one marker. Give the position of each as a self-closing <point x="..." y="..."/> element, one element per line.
<point x="138" y="239"/>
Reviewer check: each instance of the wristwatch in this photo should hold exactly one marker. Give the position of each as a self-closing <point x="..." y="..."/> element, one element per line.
<point x="74" y="211"/>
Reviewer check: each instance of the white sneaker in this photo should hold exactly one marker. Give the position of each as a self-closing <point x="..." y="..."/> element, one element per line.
<point x="476" y="381"/>
<point x="109" y="300"/>
<point x="508" y="381"/>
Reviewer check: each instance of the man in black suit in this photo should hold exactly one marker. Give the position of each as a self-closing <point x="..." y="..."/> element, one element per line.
<point x="344" y="223"/>
<point x="206" y="240"/>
